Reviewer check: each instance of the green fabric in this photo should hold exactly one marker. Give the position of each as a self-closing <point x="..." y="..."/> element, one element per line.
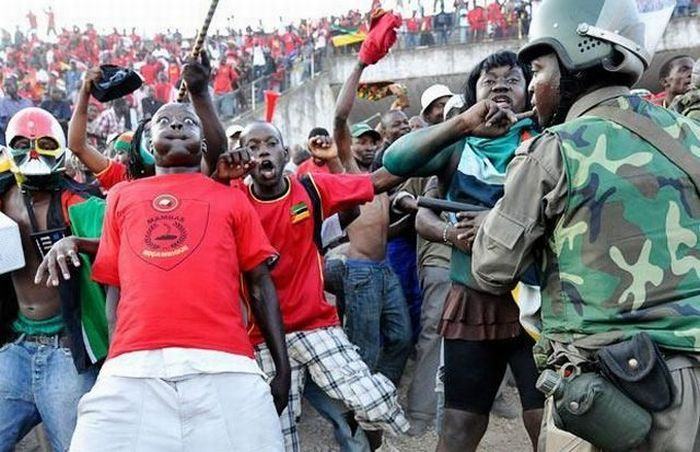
<point x="46" y="327"/>
<point x="499" y="150"/>
<point x="624" y="257"/>
<point x="86" y="222"/>
<point x="402" y="159"/>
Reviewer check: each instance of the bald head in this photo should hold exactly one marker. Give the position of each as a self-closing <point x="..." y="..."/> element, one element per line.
<point x="394" y="125"/>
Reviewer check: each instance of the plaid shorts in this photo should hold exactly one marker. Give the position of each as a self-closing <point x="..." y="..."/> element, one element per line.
<point x="334" y="365"/>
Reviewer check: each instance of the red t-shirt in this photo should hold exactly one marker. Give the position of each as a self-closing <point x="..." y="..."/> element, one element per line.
<point x="176" y="246"/>
<point x="310" y="166"/>
<point x="162" y="91"/>
<point x="112" y="175"/>
<point x="223" y="78"/>
<point x="149" y="72"/>
<point x="289" y="223"/>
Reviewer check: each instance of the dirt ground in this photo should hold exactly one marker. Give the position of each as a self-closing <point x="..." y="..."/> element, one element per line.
<point x="503" y="435"/>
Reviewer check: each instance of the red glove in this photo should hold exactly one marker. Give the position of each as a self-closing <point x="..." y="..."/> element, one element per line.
<point x="381" y="36"/>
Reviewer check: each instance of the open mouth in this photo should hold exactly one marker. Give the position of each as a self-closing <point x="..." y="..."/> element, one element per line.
<point x="503" y="101"/>
<point x="267" y="169"/>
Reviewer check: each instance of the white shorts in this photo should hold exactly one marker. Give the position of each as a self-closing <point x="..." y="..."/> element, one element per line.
<point x="204" y="412"/>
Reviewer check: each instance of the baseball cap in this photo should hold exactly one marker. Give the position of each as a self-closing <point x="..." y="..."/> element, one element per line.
<point x="433" y="93"/>
<point x="362" y="128"/>
<point x="114" y="83"/>
<point x="456" y="101"/>
<point x="233" y="129"/>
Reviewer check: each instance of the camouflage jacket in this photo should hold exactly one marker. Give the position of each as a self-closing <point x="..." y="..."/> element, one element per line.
<point x="614" y="226"/>
<point x="688" y="104"/>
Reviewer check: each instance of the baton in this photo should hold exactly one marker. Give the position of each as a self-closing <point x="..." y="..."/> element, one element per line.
<point x="201" y="36"/>
<point x="443" y="205"/>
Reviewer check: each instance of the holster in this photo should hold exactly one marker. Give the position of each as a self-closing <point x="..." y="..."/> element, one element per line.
<point x="638" y="369"/>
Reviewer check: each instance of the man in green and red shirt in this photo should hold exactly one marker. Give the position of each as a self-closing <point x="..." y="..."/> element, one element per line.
<point x="291" y="210"/>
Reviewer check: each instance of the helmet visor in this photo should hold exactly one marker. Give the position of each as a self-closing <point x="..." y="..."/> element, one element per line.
<point x="636" y="25"/>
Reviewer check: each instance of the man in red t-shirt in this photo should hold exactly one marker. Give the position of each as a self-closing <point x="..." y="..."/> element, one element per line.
<point x="313" y="164"/>
<point x="150" y="70"/>
<point x="180" y="350"/>
<point x="317" y="345"/>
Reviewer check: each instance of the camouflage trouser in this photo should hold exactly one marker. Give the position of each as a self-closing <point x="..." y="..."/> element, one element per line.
<point x="676" y="429"/>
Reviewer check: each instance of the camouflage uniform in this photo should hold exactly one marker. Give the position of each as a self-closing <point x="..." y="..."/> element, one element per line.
<point x="615" y="227"/>
<point x="688" y="104"/>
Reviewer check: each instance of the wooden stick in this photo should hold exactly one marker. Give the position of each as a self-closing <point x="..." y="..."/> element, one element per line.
<point x="201" y="36"/>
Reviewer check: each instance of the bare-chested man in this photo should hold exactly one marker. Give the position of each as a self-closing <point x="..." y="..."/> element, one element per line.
<point x="39" y="381"/>
<point x="377" y="318"/>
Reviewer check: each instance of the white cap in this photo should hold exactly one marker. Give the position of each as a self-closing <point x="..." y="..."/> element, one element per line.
<point x="233" y="129"/>
<point x="456" y="101"/>
<point x="433" y="93"/>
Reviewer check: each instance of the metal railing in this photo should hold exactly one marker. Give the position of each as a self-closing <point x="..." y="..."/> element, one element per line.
<point x="297" y="71"/>
<point x="250" y="96"/>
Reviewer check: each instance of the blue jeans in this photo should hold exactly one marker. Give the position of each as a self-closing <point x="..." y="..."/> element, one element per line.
<point x="401" y="253"/>
<point x="39" y="383"/>
<point x="334" y="412"/>
<point x="377" y="319"/>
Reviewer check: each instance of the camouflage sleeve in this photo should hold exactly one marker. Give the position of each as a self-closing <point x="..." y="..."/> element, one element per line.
<point x="535" y="196"/>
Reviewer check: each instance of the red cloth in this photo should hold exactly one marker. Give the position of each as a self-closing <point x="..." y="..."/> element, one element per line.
<point x="225" y="75"/>
<point x="112" y="175"/>
<point x="495" y="15"/>
<point x="382" y="35"/>
<point x="310" y="166"/>
<point x="150" y="71"/>
<point x="173" y="73"/>
<point x="412" y="25"/>
<point x="658" y="98"/>
<point x="477" y="19"/>
<point x="162" y="91"/>
<point x="176" y="246"/>
<point x="298" y="275"/>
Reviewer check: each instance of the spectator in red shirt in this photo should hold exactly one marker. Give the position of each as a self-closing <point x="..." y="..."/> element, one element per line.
<point x="314" y="164"/>
<point x="157" y="233"/>
<point x="412" y="29"/>
<point x="318" y="346"/>
<point x="50" y="21"/>
<point x="164" y="89"/>
<point x="150" y="70"/>
<point x="173" y="72"/>
<point x="31" y="17"/>
<point x="496" y="19"/>
<point x="674" y="77"/>
<point x="225" y="81"/>
<point x="477" y="22"/>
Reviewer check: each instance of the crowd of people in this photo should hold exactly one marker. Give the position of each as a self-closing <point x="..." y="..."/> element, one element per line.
<point x="46" y="69"/>
<point x="183" y="286"/>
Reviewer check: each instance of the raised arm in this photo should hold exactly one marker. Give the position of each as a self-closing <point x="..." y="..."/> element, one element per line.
<point x="427" y="151"/>
<point x="196" y="73"/>
<point x="266" y="310"/>
<point x="92" y="158"/>
<point x="343" y="107"/>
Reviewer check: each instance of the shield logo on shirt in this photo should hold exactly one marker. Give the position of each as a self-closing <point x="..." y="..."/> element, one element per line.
<point x="167" y="237"/>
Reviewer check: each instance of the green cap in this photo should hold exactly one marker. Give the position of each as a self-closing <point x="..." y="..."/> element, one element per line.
<point x="362" y="128"/>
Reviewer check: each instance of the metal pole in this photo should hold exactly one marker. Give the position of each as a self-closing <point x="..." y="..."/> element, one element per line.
<point x="252" y="94"/>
